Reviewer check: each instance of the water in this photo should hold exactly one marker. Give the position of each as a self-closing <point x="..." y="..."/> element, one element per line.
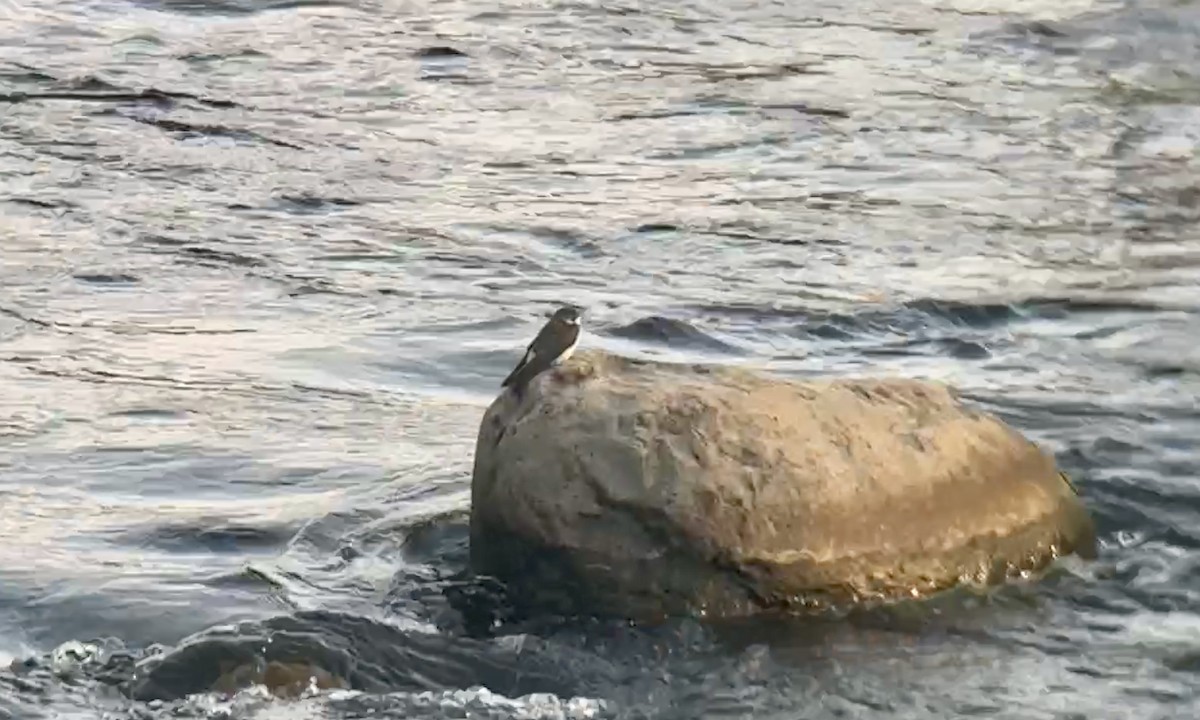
<point x="264" y="264"/>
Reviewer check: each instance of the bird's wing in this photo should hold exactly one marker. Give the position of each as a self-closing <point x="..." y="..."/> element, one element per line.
<point x="525" y="360"/>
<point x="530" y="355"/>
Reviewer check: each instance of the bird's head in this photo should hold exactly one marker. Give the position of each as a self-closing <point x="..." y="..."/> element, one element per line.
<point x="567" y="316"/>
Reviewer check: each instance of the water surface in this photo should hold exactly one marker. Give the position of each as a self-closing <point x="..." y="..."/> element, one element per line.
<point x="264" y="264"/>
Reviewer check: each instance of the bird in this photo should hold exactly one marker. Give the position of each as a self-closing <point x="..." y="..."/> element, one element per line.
<point x="553" y="345"/>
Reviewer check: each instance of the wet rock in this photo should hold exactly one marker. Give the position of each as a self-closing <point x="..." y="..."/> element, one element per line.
<point x="281" y="679"/>
<point x="644" y="489"/>
<point x="667" y="331"/>
<point x="290" y="653"/>
<point x="440" y="51"/>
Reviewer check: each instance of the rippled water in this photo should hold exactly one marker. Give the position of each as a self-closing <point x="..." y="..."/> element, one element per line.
<point x="263" y="264"/>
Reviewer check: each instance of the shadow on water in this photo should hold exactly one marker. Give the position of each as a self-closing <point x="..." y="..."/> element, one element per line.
<point x="394" y="650"/>
<point x="235" y="7"/>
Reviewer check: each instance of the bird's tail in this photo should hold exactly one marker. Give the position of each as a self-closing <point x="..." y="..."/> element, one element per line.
<point x="519" y="379"/>
<point x="512" y="375"/>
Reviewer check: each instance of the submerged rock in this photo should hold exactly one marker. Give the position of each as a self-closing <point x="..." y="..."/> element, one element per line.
<point x="645" y="489"/>
<point x="290" y="654"/>
<point x="281" y="679"/>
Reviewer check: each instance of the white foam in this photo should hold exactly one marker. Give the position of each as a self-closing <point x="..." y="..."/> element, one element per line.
<point x="476" y="702"/>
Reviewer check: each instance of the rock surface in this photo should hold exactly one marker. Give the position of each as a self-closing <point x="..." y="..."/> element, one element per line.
<point x="645" y="489"/>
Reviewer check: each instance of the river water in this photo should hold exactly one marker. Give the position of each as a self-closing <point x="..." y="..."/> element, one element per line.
<point x="264" y="263"/>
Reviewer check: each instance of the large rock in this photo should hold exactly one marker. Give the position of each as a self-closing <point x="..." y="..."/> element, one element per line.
<point x="643" y="489"/>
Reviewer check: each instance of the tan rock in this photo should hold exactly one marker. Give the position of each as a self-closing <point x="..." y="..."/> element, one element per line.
<point x="643" y="489"/>
<point x="281" y="679"/>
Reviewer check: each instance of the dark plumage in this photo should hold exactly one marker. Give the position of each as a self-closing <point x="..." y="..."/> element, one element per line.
<point x="554" y="343"/>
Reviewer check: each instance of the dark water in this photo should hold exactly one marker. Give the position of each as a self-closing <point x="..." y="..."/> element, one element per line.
<point x="263" y="264"/>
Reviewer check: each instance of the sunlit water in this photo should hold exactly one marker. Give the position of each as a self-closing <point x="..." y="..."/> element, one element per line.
<point x="263" y="265"/>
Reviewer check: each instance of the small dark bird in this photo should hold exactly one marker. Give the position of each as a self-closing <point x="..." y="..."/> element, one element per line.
<point x="554" y="344"/>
